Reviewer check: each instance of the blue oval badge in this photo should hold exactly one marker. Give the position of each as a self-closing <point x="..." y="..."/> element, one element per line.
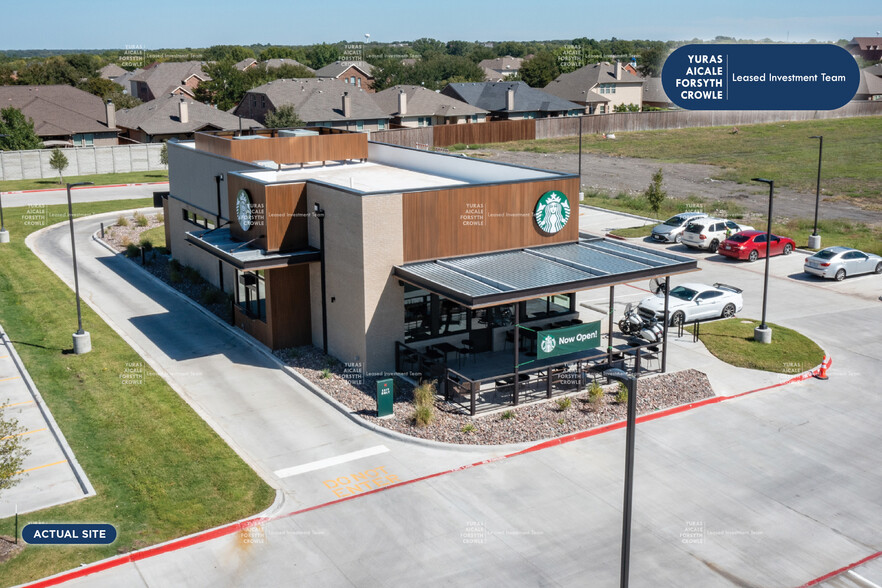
<point x="68" y="534"/>
<point x="760" y="77"/>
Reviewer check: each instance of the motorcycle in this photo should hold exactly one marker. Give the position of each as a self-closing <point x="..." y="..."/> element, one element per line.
<point x="633" y="323"/>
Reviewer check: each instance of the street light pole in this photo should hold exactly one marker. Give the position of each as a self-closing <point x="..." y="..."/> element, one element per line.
<point x="815" y="239"/>
<point x="763" y="333"/>
<point x="82" y="341"/>
<point x="4" y="234"/>
<point x="631" y="384"/>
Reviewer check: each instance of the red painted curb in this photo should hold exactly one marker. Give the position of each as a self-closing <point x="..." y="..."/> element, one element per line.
<point x="84" y="187"/>
<point x="176" y="544"/>
<point x="841" y="570"/>
<point x="611" y="236"/>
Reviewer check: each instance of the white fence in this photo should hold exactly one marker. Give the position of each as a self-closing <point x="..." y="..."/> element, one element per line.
<point x="82" y="161"/>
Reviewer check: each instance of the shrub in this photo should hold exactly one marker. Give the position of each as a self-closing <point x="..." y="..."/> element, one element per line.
<point x="174" y="274"/>
<point x="132" y="250"/>
<point x="622" y="395"/>
<point x="163" y="250"/>
<point x="141" y="220"/>
<point x="468" y="428"/>
<point x="424" y="394"/>
<point x="561" y="421"/>
<point x="147" y="244"/>
<point x="595" y="393"/>
<point x="326" y="373"/>
<point x="191" y="275"/>
<point x="508" y="414"/>
<point x="160" y="218"/>
<point x="564" y="403"/>
<point x="424" y="415"/>
<point x="122" y="221"/>
<point x="211" y="295"/>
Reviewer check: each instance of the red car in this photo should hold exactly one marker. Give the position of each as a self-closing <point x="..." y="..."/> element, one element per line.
<point x="751" y="245"/>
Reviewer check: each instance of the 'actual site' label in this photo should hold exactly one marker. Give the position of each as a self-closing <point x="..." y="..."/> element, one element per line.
<point x="760" y="77"/>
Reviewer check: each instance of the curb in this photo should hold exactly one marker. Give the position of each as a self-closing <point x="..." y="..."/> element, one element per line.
<point x="83" y="187"/>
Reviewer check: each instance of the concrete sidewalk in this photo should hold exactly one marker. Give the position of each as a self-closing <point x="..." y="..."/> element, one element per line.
<point x="52" y="474"/>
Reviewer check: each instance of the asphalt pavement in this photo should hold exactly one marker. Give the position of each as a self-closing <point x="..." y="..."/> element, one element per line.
<point x="82" y="194"/>
<point x="775" y="488"/>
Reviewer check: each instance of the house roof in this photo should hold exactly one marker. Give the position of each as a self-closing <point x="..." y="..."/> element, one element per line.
<point x="57" y="110"/>
<point x="654" y="92"/>
<point x="123" y="80"/>
<point x="423" y="102"/>
<point x="574" y="85"/>
<point x="110" y="71"/>
<point x="161" y="117"/>
<point x="277" y="63"/>
<point x="870" y="85"/>
<point x="507" y="63"/>
<point x="245" y="63"/>
<point x="875" y="70"/>
<point x="164" y="78"/>
<point x="316" y="99"/>
<point x="492" y="96"/>
<point x="867" y="43"/>
<point x="334" y="70"/>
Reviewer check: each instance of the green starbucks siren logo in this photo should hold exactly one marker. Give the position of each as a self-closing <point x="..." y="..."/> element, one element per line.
<point x="548" y="344"/>
<point x="552" y="211"/>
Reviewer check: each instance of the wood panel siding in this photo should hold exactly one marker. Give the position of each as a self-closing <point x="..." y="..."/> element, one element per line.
<point x="286" y="216"/>
<point x="286" y="150"/>
<point x="489" y="132"/>
<point x="254" y="327"/>
<point x="257" y="191"/>
<point x="437" y="223"/>
<point x="288" y="306"/>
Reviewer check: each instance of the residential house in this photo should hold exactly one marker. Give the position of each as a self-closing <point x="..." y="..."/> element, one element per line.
<point x="64" y="116"/>
<point x="246" y="64"/>
<point x="416" y="106"/>
<point x="355" y="73"/>
<point x="277" y="63"/>
<point x="512" y="100"/>
<point x="501" y="68"/>
<point x="654" y="94"/>
<point x="172" y="77"/>
<point x="175" y="117"/>
<point x="870" y="48"/>
<point x="608" y="81"/>
<point x="322" y="102"/>
<point x="110" y="71"/>
<point x="870" y="87"/>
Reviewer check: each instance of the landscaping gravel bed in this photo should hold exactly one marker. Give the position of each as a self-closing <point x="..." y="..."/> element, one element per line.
<point x="532" y="422"/>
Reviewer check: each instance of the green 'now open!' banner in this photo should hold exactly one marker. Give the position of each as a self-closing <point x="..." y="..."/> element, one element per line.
<point x="567" y="340"/>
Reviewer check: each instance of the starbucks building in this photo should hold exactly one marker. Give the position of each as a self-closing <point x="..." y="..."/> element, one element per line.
<point x="398" y="259"/>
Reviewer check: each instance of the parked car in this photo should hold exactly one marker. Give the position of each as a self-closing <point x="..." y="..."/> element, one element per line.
<point x="690" y="302"/>
<point x="672" y="229"/>
<point x="839" y="262"/>
<point x="751" y="245"/>
<point x="708" y="233"/>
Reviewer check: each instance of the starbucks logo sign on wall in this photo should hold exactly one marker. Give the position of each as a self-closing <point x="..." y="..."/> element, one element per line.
<point x="243" y="209"/>
<point x="548" y="344"/>
<point x="552" y="211"/>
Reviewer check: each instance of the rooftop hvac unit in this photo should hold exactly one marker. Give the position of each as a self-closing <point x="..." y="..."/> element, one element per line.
<point x="297" y="133"/>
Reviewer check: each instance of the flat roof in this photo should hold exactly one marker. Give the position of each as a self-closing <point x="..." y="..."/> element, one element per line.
<point x="504" y="277"/>
<point x="219" y="243"/>
<point x="361" y="176"/>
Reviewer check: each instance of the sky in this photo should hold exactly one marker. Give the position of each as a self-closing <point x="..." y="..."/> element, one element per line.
<point x="156" y="24"/>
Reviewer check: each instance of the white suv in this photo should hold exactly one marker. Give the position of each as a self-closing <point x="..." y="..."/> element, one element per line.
<point x="708" y="233"/>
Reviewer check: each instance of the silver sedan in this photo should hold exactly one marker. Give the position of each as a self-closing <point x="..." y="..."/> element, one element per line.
<point x="839" y="262"/>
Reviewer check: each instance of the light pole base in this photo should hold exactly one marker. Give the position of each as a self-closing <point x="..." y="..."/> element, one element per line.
<point x="762" y="335"/>
<point x="4" y="236"/>
<point x="814" y="242"/>
<point x="82" y="343"/>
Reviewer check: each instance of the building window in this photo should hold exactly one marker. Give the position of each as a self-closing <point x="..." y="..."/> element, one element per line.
<point x="254" y="101"/>
<point x="352" y="80"/>
<point x="381" y="125"/>
<point x="251" y="294"/>
<point x="263" y="101"/>
<point x="358" y="82"/>
<point x="199" y="221"/>
<point x="427" y="316"/>
<point x="359" y="125"/>
<point x="607" y="88"/>
<point x="474" y="118"/>
<point x="549" y="306"/>
<point x="90" y="140"/>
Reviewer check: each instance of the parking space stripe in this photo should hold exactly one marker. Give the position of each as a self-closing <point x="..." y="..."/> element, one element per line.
<point x="25" y="433"/>
<point x="42" y="466"/>
<point x="12" y="378"/>
<point x="331" y="461"/>
<point x="17" y="403"/>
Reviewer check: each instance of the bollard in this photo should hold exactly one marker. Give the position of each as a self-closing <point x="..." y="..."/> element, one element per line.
<point x="102" y="230"/>
<point x="142" y="255"/>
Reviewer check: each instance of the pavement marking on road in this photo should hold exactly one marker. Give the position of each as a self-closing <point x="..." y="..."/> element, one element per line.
<point x="841" y="570"/>
<point x="25" y="433"/>
<point x="359" y="482"/>
<point x="330" y="461"/>
<point x="42" y="466"/>
<point x="12" y="378"/>
<point x="4" y="357"/>
<point x="17" y="403"/>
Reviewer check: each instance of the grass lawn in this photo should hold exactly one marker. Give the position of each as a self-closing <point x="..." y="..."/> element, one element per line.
<point x="637" y="204"/>
<point x="160" y="472"/>
<point x="97" y="179"/>
<point x="633" y="232"/>
<point x="731" y="340"/>
<point x="781" y="151"/>
<point x="156" y="236"/>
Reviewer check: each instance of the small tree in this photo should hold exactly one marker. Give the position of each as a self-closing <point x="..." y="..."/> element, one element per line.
<point x="12" y="452"/>
<point x="284" y="117"/>
<point x="18" y="132"/>
<point x="654" y="193"/>
<point x="58" y="162"/>
<point x="163" y="154"/>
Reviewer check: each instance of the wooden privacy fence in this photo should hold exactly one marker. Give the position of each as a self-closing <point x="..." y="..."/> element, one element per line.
<point x="552" y="128"/>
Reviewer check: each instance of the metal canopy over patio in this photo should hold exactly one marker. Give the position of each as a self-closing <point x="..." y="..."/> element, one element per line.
<point x="221" y="244"/>
<point x="489" y="279"/>
<point x="511" y="277"/>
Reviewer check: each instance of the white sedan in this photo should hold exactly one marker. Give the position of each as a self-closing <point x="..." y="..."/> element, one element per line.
<point x="691" y="302"/>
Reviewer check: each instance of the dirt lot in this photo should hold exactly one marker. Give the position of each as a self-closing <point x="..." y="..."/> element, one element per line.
<point x="624" y="174"/>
